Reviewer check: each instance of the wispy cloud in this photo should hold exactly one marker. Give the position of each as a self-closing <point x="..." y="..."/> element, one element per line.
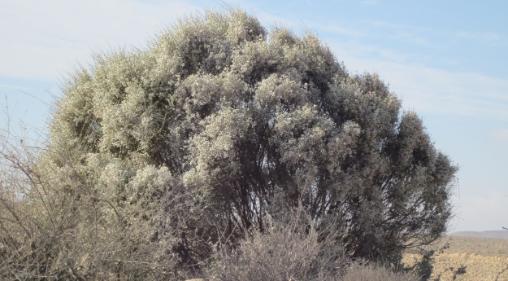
<point x="428" y="89"/>
<point x="338" y="29"/>
<point x="271" y="20"/>
<point x="46" y="39"/>
<point x="402" y="32"/>
<point x="370" y="2"/>
<point x="485" y="36"/>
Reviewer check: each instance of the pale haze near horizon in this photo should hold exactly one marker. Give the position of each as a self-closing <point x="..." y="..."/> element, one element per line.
<point x="447" y="62"/>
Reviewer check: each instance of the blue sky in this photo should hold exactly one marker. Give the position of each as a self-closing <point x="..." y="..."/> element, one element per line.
<point x="446" y="60"/>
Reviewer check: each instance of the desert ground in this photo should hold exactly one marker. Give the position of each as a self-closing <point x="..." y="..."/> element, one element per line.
<point x="469" y="258"/>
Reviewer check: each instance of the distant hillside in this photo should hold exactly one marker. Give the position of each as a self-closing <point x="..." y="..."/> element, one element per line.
<point x="492" y="234"/>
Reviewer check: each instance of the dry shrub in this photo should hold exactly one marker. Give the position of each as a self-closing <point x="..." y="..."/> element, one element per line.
<point x="285" y="251"/>
<point x="66" y="230"/>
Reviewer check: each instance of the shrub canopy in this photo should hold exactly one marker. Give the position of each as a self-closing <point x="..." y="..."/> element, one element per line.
<point x="221" y="125"/>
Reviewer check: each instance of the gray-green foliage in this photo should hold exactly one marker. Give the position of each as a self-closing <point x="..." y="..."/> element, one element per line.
<point x="221" y="124"/>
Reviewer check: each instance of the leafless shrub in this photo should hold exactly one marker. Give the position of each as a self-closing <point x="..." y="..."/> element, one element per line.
<point x="294" y="250"/>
